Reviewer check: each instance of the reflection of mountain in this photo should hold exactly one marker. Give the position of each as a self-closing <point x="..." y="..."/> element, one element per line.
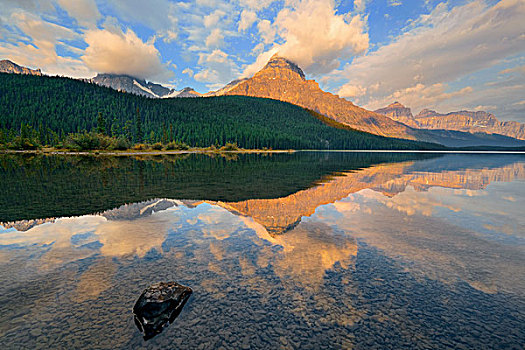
<point x="24" y="225"/>
<point x="125" y="212"/>
<point x="282" y="214"/>
<point x="142" y="209"/>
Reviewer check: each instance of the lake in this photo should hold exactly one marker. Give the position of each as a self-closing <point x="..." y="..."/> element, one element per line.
<point x="307" y="250"/>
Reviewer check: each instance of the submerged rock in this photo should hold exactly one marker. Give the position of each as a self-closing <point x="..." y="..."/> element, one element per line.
<point x="159" y="305"/>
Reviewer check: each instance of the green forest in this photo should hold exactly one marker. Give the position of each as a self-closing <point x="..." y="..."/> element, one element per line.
<point x="57" y="112"/>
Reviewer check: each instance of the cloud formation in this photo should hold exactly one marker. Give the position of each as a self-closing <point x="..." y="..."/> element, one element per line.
<point x="315" y="36"/>
<point x="436" y="49"/>
<point x="85" y="12"/>
<point x="218" y="69"/>
<point x="36" y="41"/>
<point x="247" y="19"/>
<point x="113" y="51"/>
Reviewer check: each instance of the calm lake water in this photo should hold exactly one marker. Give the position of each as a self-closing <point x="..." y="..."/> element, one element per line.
<point x="293" y="251"/>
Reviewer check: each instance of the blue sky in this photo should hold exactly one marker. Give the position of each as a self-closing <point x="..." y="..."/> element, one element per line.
<point x="443" y="55"/>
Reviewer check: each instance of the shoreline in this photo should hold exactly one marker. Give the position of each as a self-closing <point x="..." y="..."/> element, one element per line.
<point x="240" y="151"/>
<point x="141" y="152"/>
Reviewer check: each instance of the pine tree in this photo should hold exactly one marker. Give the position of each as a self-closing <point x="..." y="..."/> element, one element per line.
<point x="101" y="124"/>
<point x="138" y="127"/>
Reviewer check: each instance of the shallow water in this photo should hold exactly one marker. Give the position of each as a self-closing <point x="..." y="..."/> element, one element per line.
<point x="305" y="250"/>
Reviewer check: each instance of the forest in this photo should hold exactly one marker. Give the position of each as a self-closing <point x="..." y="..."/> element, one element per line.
<point x="60" y="112"/>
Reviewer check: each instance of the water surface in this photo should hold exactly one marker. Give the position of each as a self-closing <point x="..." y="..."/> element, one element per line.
<point x="305" y="250"/>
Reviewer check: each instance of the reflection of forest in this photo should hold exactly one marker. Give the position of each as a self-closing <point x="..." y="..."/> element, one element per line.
<point x="43" y="186"/>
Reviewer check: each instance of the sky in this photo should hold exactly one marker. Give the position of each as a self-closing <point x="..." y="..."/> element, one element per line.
<point x="442" y="55"/>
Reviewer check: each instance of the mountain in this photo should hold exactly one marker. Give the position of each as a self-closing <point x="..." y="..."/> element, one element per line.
<point x="396" y="111"/>
<point x="464" y="121"/>
<point x="126" y="83"/>
<point x="7" y="66"/>
<point x="226" y="88"/>
<point x="283" y="80"/>
<point x="186" y="92"/>
<point x="468" y="121"/>
<point x="132" y="85"/>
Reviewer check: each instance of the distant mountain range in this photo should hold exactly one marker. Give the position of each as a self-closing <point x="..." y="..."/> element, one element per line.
<point x="283" y="80"/>
<point x="466" y="121"/>
<point x="141" y="87"/>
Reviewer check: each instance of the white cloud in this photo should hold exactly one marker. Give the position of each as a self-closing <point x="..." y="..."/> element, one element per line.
<point x="257" y="50"/>
<point x="349" y="90"/>
<point x="41" y="51"/>
<point x="394" y="3"/>
<point x="218" y="69"/>
<point x="160" y="15"/>
<point x="113" y="51"/>
<point x="213" y="18"/>
<point x="259" y="63"/>
<point x="437" y="49"/>
<point x="256" y="4"/>
<point x="421" y="95"/>
<point x="267" y="31"/>
<point x="84" y="11"/>
<point x="155" y="14"/>
<point x="247" y="19"/>
<point x="169" y="36"/>
<point x="188" y="71"/>
<point x="315" y="36"/>
<point x="360" y="5"/>
<point x="215" y="39"/>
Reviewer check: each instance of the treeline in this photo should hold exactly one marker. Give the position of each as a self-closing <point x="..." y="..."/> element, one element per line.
<point x="58" y="112"/>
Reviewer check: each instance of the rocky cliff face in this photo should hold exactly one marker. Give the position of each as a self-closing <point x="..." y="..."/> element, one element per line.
<point x="470" y="122"/>
<point x="396" y="111"/>
<point x="464" y="121"/>
<point x="283" y="80"/>
<point x="7" y="66"/>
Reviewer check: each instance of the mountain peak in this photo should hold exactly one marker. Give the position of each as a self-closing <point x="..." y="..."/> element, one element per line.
<point x="427" y="113"/>
<point x="396" y="111"/>
<point x="7" y="66"/>
<point x="280" y="63"/>
<point x="396" y="105"/>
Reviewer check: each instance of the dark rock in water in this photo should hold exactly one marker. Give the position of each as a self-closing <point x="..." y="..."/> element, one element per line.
<point x="159" y="305"/>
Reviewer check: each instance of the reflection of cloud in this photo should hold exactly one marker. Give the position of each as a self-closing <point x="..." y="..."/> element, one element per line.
<point x="95" y="280"/>
<point x="437" y="244"/>
<point x="217" y="223"/>
<point x="71" y="239"/>
<point x="411" y="202"/>
<point x="309" y="250"/>
<point x="138" y="236"/>
<point x="60" y="238"/>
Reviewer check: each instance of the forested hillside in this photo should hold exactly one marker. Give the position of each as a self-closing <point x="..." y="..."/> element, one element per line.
<point x="49" y="108"/>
